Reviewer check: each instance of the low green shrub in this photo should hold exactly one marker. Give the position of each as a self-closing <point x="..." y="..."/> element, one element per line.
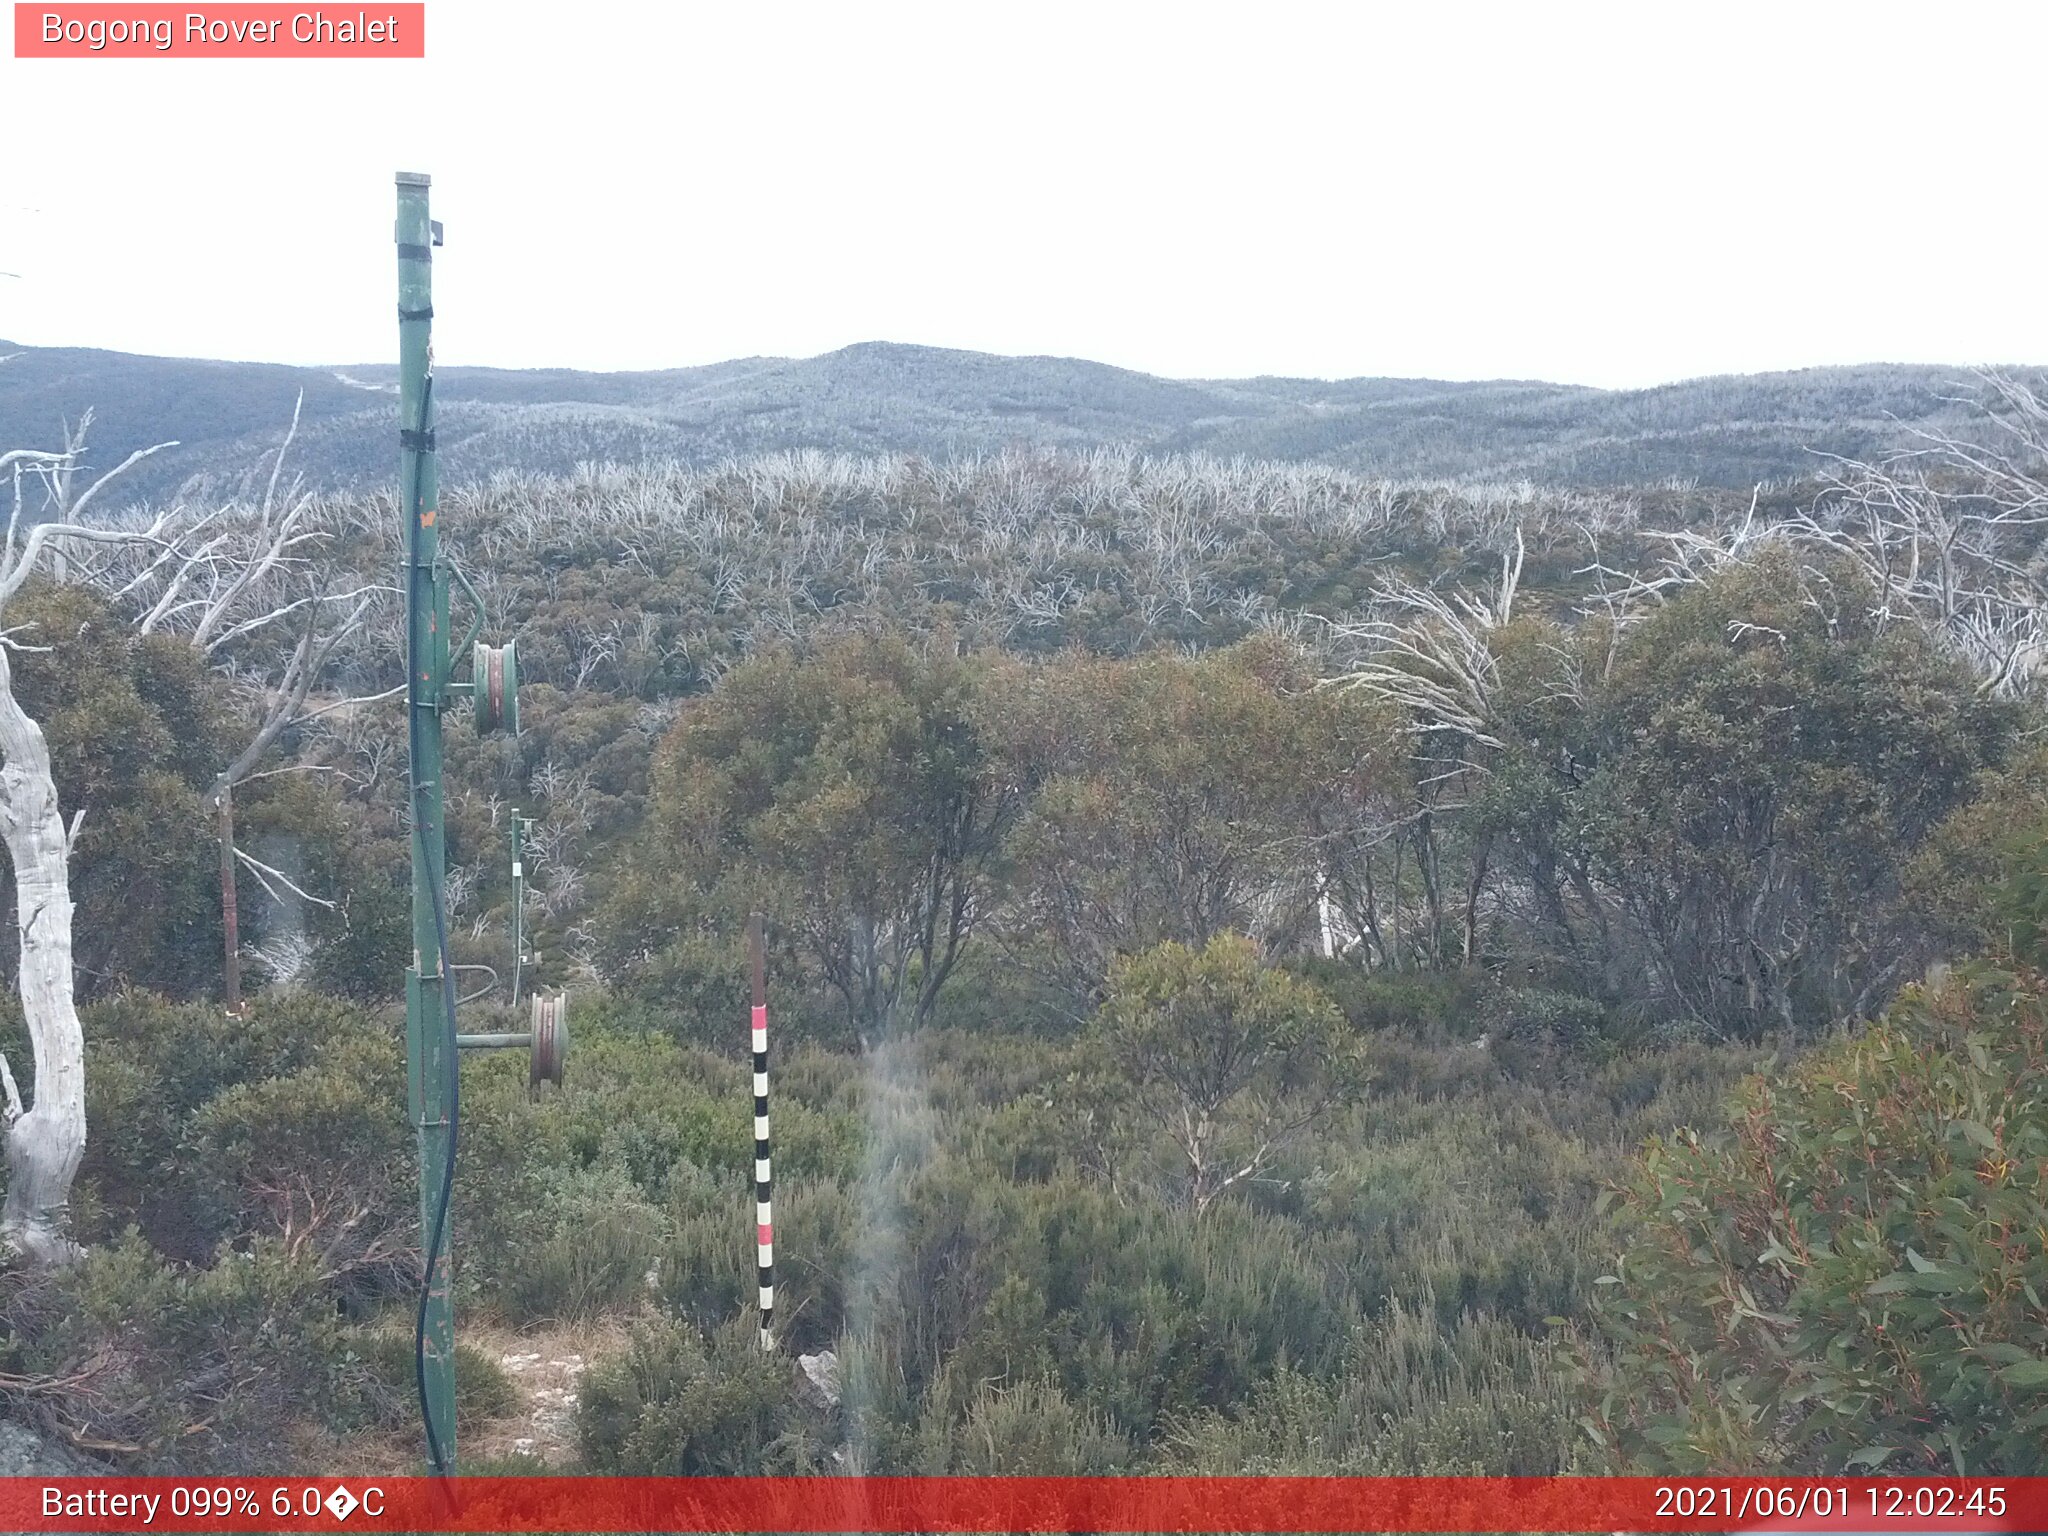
<point x="483" y="1390"/>
<point x="1029" y="1429"/>
<point x="287" y="1122"/>
<point x="676" y="1404"/>
<point x="1431" y="1006"/>
<point x="1850" y="1276"/>
<point x="1416" y="1396"/>
<point x="585" y="1246"/>
<point x="179" y="1367"/>
<point x="707" y="1274"/>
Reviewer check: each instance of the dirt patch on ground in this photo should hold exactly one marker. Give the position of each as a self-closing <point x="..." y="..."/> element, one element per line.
<point x="546" y="1367"/>
<point x="376" y="1453"/>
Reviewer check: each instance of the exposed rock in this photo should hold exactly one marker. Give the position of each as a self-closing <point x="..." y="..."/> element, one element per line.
<point x="819" y="1384"/>
<point x="24" y="1453"/>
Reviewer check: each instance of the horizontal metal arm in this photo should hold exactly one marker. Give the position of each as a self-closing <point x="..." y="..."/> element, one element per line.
<point x="510" y="1042"/>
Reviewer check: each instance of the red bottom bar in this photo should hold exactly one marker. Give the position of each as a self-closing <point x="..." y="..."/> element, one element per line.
<point x="1025" y="1504"/>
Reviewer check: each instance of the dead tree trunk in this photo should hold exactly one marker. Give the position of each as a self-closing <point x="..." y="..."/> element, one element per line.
<point x="230" y="920"/>
<point x="46" y="1142"/>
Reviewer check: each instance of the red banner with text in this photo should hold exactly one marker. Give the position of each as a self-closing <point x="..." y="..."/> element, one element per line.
<point x="231" y="31"/>
<point x="1093" y="1504"/>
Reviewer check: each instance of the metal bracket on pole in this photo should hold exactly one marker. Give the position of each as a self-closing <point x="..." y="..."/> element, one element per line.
<point x="476" y="625"/>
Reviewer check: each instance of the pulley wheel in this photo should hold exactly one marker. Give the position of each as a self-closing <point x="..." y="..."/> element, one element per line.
<point x="496" y="688"/>
<point x="550" y="1040"/>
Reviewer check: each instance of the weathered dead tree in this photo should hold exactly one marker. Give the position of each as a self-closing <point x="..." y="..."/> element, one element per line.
<point x="1430" y="657"/>
<point x="45" y="1139"/>
<point x="1949" y="533"/>
<point x="235" y="584"/>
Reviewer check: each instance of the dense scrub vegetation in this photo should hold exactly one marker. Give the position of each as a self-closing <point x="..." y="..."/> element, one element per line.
<point x="1760" y="1312"/>
<point x="1271" y="970"/>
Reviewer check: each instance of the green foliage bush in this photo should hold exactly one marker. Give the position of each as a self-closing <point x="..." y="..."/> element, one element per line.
<point x="847" y="792"/>
<point x="1162" y="797"/>
<point x="584" y="1247"/>
<point x="1207" y="1064"/>
<point x="1416" y="1396"/>
<point x="286" y="1123"/>
<point x="992" y="1302"/>
<point x="145" y="870"/>
<point x="483" y="1389"/>
<point x="1762" y="763"/>
<point x="1851" y="1276"/>
<point x="145" y="867"/>
<point x="177" y="1366"/>
<point x="1030" y="1429"/>
<point x="1429" y="1006"/>
<point x="675" y="1404"/>
<point x="707" y="1272"/>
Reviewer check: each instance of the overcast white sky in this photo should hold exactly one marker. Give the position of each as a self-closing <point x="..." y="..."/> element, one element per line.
<point x="1614" y="195"/>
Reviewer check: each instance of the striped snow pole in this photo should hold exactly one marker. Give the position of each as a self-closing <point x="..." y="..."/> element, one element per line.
<point x="764" y="1220"/>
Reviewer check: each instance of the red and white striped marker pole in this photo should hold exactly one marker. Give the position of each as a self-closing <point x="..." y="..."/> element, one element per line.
<point x="764" y="1219"/>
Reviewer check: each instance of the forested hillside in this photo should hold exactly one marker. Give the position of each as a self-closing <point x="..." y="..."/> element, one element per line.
<point x="888" y="399"/>
<point x="1274" y="968"/>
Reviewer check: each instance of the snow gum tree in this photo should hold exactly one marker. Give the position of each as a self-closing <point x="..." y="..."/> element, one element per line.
<point x="45" y="1138"/>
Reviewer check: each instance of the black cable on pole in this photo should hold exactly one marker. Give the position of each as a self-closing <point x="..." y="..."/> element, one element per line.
<point x="437" y="1235"/>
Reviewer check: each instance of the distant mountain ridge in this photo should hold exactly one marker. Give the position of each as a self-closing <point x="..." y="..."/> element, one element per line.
<point x="880" y="397"/>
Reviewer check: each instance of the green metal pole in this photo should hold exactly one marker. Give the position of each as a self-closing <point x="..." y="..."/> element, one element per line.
<point x="429" y="1058"/>
<point x="518" y="901"/>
